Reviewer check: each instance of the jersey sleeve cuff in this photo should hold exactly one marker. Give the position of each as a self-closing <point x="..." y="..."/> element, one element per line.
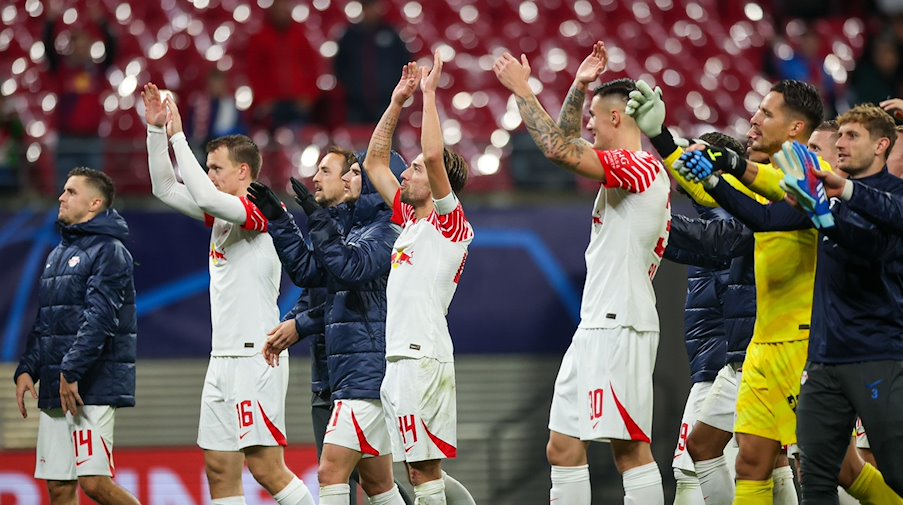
<point x="447" y="204"/>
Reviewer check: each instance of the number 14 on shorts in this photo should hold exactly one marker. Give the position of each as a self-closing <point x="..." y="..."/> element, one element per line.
<point x="407" y="426"/>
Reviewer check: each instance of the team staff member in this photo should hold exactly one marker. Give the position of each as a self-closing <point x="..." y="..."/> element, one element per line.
<point x="81" y="350"/>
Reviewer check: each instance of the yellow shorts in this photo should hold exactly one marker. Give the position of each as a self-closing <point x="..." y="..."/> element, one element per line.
<point x="769" y="389"/>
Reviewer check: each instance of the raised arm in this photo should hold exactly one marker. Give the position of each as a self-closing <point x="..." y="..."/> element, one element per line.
<point x="210" y="200"/>
<point x="379" y="150"/>
<point x="882" y="208"/>
<point x="575" y="155"/>
<point x="431" y="133"/>
<point x="163" y="178"/>
<point x="571" y="114"/>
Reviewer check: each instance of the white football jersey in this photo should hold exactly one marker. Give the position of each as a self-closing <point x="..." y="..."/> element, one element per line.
<point x="631" y="220"/>
<point x="244" y="283"/>
<point x="427" y="261"/>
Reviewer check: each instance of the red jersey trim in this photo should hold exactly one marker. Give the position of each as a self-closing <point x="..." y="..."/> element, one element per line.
<point x="255" y="220"/>
<point x="633" y="171"/>
<point x="208" y="220"/>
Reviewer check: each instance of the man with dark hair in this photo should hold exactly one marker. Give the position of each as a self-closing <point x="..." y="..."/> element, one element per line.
<point x="612" y="355"/>
<point x="822" y="140"/>
<point x="82" y="346"/>
<point x="428" y="257"/>
<point x="241" y="420"/>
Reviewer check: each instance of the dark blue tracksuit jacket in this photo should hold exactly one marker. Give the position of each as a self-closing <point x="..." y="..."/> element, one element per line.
<point x="87" y="325"/>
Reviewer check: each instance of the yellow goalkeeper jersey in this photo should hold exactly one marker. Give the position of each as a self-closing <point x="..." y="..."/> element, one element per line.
<point x="784" y="260"/>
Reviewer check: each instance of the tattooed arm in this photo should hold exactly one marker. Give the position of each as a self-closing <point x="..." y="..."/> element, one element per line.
<point x="575" y="155"/>
<point x="379" y="151"/>
<point x="593" y="66"/>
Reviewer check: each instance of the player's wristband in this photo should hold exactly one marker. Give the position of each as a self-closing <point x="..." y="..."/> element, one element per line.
<point x="847" y="190"/>
<point x="664" y="143"/>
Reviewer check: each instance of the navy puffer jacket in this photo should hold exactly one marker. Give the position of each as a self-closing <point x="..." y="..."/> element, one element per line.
<point x="704" y="328"/>
<point x="86" y="326"/>
<point x="725" y="240"/>
<point x="353" y="264"/>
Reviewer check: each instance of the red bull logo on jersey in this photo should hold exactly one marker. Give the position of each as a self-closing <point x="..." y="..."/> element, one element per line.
<point x="401" y="256"/>
<point x="218" y="257"/>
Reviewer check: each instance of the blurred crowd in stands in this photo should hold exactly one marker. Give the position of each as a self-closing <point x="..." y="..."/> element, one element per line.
<point x="293" y="73"/>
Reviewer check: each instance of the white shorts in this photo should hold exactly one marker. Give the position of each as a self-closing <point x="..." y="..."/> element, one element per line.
<point x="243" y="403"/>
<point x="719" y="410"/>
<point x="72" y="447"/>
<point x="418" y="397"/>
<point x="695" y="399"/>
<point x="862" y="440"/>
<point x="359" y="425"/>
<point x="604" y="386"/>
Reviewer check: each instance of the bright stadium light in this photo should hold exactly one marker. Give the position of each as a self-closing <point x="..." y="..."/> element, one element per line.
<point x="469" y="14"/>
<point x="326" y="82"/>
<point x="70" y="16"/>
<point x="412" y="11"/>
<point x="34" y="8"/>
<point x="753" y="11"/>
<point x="583" y="9"/>
<point x="300" y="13"/>
<point x="224" y="63"/>
<point x="321" y="5"/>
<point x="511" y="120"/>
<point x="480" y="99"/>
<point x="214" y="52"/>
<point x="123" y="12"/>
<point x="9" y="14"/>
<point x="528" y="12"/>
<point x="37" y="51"/>
<point x="244" y="97"/>
<point x="488" y="163"/>
<point x="241" y="13"/>
<point x="8" y="87"/>
<point x="462" y="100"/>
<point x="329" y="49"/>
<point x="557" y="59"/>
<point x="353" y="10"/>
<point x="37" y="129"/>
<point x="33" y="152"/>
<point x="569" y="28"/>
<point x="309" y="157"/>
<point x="48" y="102"/>
<point x="500" y="138"/>
<point x="451" y="132"/>
<point x="222" y="33"/>
<point x="19" y="66"/>
<point x="128" y="85"/>
<point x="157" y="50"/>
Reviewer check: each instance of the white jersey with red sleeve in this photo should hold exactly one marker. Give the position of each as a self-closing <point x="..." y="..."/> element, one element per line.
<point x="631" y="220"/>
<point x="244" y="283"/>
<point x="427" y="261"/>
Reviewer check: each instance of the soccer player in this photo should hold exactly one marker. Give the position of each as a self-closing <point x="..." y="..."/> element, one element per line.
<point x="612" y="355"/>
<point x="81" y="349"/>
<point x="241" y="420"/>
<point x="427" y="262"/>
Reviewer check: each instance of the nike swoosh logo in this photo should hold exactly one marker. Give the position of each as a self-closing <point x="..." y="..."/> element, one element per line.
<point x="80" y="463"/>
<point x="408" y="449"/>
<point x="328" y="432"/>
<point x="243" y="435"/>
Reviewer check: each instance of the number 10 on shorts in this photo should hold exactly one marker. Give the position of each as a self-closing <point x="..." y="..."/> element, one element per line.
<point x="407" y="424"/>
<point x="595" y="404"/>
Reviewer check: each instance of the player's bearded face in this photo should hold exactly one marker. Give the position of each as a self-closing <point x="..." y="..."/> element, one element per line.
<point x="770" y="124"/>
<point x="329" y="189"/>
<point x="415" y="184"/>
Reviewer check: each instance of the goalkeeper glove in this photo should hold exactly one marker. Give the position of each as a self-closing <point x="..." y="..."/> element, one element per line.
<point x="645" y="105"/>
<point x="700" y="165"/>
<point x="799" y="166"/>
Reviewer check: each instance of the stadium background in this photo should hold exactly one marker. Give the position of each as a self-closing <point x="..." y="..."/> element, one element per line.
<point x="518" y="301"/>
